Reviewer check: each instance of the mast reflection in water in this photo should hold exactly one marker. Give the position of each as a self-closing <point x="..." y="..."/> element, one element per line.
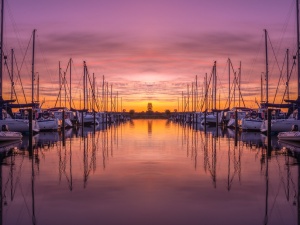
<point x="149" y="172"/>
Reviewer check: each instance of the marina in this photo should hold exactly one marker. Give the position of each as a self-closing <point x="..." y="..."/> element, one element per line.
<point x="110" y="115"/>
<point x="150" y="172"/>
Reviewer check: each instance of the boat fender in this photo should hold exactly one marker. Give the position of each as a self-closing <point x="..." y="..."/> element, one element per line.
<point x="45" y="115"/>
<point x="295" y="127"/>
<point x="4" y="127"/>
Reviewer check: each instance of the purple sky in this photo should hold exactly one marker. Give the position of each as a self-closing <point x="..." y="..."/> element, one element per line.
<point x="150" y="50"/>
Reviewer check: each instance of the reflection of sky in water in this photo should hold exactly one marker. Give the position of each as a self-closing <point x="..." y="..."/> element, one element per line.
<point x="151" y="172"/>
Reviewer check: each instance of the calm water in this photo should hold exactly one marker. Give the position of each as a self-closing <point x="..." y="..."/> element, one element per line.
<point x="150" y="172"/>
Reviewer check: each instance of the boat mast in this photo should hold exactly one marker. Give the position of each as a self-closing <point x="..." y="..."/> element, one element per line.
<point x="12" y="75"/>
<point x="215" y="86"/>
<point x="196" y="97"/>
<point x="32" y="75"/>
<point x="65" y="82"/>
<point x="182" y="101"/>
<point x="234" y="88"/>
<point x="70" y="83"/>
<point x="38" y="88"/>
<point x="261" y="88"/>
<point x="192" y="96"/>
<point x="188" y="97"/>
<point x="287" y="74"/>
<point x="1" y="51"/>
<point x="117" y="101"/>
<point x="240" y="76"/>
<point x="111" y="101"/>
<point x="84" y="84"/>
<point x="103" y="99"/>
<point x="60" y="83"/>
<point x="229" y="63"/>
<point x="298" y="52"/>
<point x="93" y="93"/>
<point x="267" y="67"/>
<point x="206" y="93"/>
<point x="298" y="58"/>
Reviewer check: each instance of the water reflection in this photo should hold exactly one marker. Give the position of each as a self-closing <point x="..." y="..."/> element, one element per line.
<point x="252" y="139"/>
<point x="149" y="127"/>
<point x="43" y="147"/>
<point x="225" y="154"/>
<point x="176" y="175"/>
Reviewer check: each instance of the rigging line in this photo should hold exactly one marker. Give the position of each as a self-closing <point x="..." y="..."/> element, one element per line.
<point x="93" y="91"/>
<point x="221" y="89"/>
<point x="231" y="90"/>
<point x="280" y="175"/>
<point x="207" y="88"/>
<point x="220" y="81"/>
<point x="59" y="93"/>
<point x="26" y="204"/>
<point x="239" y="88"/>
<point x="67" y="93"/>
<point x="66" y="83"/>
<point x="231" y="65"/>
<point x="72" y="63"/>
<point x="26" y="52"/>
<point x="5" y="63"/>
<point x="254" y="61"/>
<point x="68" y="65"/>
<point x="280" y="77"/>
<point x="277" y="193"/>
<point x="14" y="24"/>
<point x="16" y="31"/>
<point x="284" y="28"/>
<point x="18" y="177"/>
<point x="280" y="42"/>
<point x="20" y="78"/>
<point x="64" y="169"/>
<point x="66" y="88"/>
<point x="273" y="52"/>
<point x="79" y="84"/>
<point x="234" y="83"/>
<point x="40" y="48"/>
<point x="288" y="80"/>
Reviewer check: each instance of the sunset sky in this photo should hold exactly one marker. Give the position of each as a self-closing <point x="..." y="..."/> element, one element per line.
<point x="150" y="50"/>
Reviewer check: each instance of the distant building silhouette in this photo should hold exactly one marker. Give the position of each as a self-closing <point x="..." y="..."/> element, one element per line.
<point x="149" y="107"/>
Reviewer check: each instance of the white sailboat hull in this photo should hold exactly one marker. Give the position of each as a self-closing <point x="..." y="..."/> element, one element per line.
<point x="101" y="117"/>
<point x="10" y="136"/>
<point x="212" y="119"/>
<point x="48" y="124"/>
<point x="19" y="125"/>
<point x="68" y="117"/>
<point x="289" y="136"/>
<point x="251" y="124"/>
<point x="280" y="125"/>
<point x="87" y="119"/>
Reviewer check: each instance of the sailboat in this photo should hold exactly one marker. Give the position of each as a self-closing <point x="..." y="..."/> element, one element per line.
<point x="6" y="117"/>
<point x="284" y="125"/>
<point x="293" y="135"/>
<point x="242" y="112"/>
<point x="254" y="120"/>
<point x="6" y="135"/>
<point x="47" y="121"/>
